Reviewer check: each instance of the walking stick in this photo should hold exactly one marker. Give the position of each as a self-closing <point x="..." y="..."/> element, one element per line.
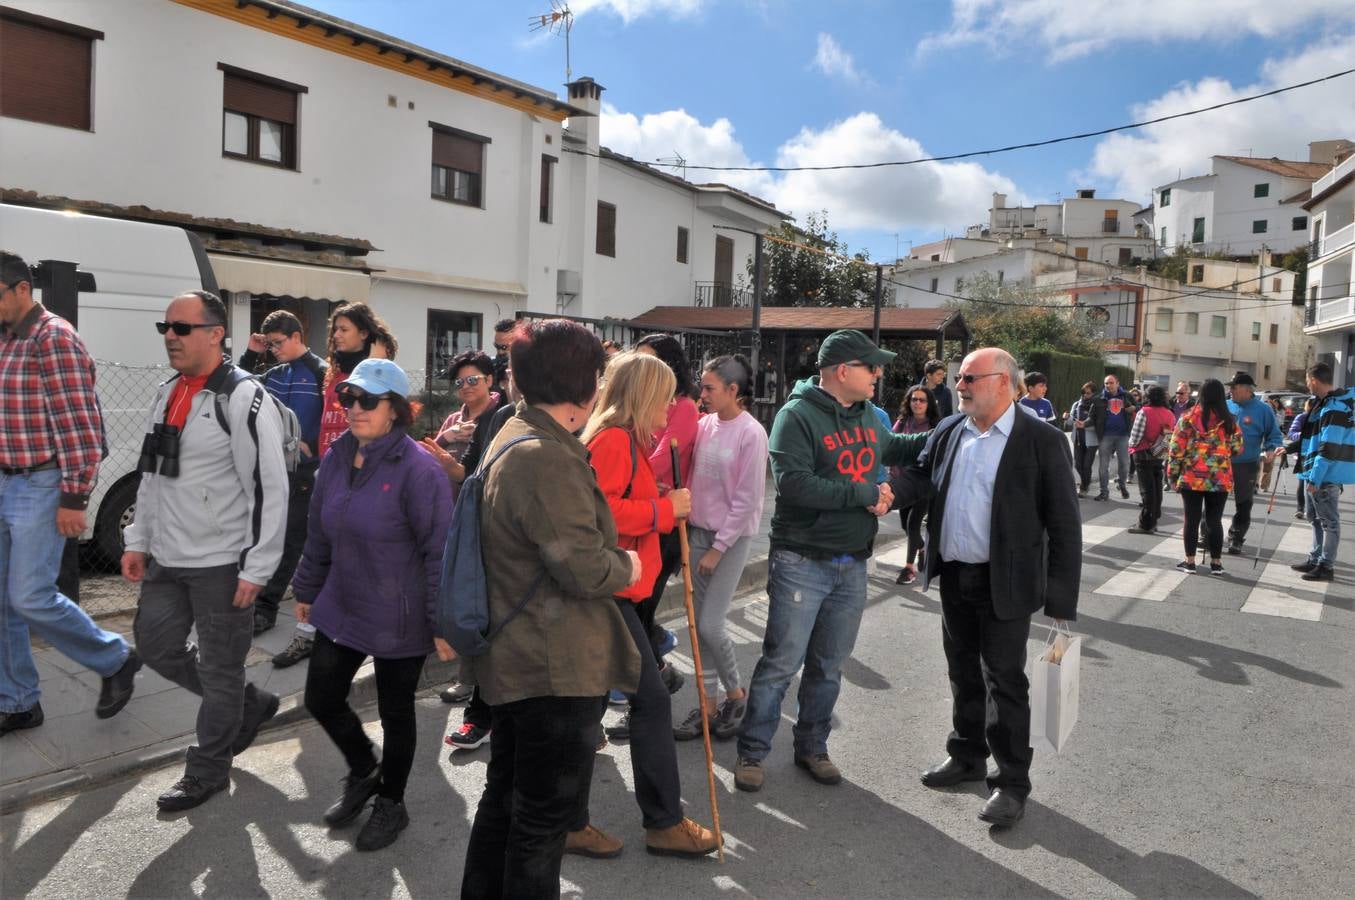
<point x="696" y="658"/>
<point x="1270" y="507"/>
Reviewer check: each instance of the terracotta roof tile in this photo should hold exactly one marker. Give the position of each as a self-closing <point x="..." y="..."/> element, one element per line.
<point x="1287" y="168"/>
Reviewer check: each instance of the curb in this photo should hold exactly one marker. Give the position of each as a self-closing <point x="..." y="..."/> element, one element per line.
<point x="18" y="795"/>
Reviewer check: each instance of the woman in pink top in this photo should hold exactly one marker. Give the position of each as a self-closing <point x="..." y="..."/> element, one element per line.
<point x="355" y="333"/>
<point x="729" y="480"/>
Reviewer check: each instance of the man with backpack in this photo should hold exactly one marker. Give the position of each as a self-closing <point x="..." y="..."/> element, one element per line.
<point x="298" y="383"/>
<point x="210" y="515"/>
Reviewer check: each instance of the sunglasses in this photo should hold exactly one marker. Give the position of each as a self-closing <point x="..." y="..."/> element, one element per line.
<point x="471" y="380"/>
<point x="368" y="402"/>
<point x="182" y="329"/>
<point x="502" y="348"/>
<point x="917" y="399"/>
<point x="970" y="377"/>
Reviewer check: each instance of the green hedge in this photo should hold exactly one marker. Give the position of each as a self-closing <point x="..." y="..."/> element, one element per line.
<point x="1066" y="373"/>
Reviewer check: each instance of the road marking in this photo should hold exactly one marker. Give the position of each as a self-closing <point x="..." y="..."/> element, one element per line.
<point x="1274" y="594"/>
<point x="1148" y="580"/>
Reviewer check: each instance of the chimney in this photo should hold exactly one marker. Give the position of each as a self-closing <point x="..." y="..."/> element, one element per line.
<point x="585" y="95"/>
<point x="999" y="201"/>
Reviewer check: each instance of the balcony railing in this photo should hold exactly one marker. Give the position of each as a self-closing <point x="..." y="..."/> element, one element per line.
<point x="712" y="293"/>
<point x="1334" y="242"/>
<point x="1110" y="226"/>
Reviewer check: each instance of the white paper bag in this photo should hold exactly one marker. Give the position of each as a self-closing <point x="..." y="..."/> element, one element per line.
<point x="1054" y="693"/>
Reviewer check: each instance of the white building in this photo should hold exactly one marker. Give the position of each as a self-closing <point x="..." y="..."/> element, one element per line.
<point x="1329" y="313"/>
<point x="324" y="162"/>
<point x="1242" y="205"/>
<point x="1081" y="226"/>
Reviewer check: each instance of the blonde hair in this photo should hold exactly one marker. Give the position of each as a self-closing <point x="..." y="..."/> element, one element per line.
<point x="633" y="385"/>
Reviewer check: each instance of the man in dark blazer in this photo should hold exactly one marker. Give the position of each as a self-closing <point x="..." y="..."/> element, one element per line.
<point x="1004" y="537"/>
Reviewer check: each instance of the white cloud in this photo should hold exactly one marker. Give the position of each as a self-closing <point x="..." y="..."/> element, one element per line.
<point x="833" y="61"/>
<point x="1282" y="126"/>
<point x="927" y="196"/>
<point x="1072" y="28"/>
<point x="630" y="10"/>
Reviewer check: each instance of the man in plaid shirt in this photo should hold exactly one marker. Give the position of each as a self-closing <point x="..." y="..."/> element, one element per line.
<point x="50" y="448"/>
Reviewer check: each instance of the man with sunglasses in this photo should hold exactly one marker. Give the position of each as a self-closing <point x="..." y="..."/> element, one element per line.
<point x="50" y="447"/>
<point x="1004" y="538"/>
<point x="298" y="382"/>
<point x="210" y="517"/>
<point x="825" y="447"/>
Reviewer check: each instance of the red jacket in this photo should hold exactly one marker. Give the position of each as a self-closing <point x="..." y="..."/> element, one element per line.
<point x="643" y="515"/>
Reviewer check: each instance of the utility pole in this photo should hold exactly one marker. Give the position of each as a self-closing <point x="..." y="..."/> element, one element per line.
<point x="757" y="311"/>
<point x="875" y="334"/>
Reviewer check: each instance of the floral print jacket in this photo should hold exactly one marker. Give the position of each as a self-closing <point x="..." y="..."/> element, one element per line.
<point x="1200" y="458"/>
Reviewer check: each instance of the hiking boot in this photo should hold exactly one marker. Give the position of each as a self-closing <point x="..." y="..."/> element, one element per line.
<point x="729" y="718"/>
<point x="1321" y="573"/>
<point x="456" y="692"/>
<point x="686" y="838"/>
<point x="748" y="775"/>
<point x="1234" y="548"/>
<point x="1124" y="491"/>
<point x="188" y="792"/>
<point x="357" y="790"/>
<point x="593" y="843"/>
<point x="265" y="707"/>
<point x="1304" y="567"/>
<point x="820" y="768"/>
<point x="621" y="730"/>
<point x="388" y="819"/>
<point x="672" y="678"/>
<point x="263" y="621"/>
<point x="1103" y="496"/>
<point x="16" y="721"/>
<point x="297" y="650"/>
<point x="467" y="737"/>
<point x="117" y="688"/>
<point x="690" y="729"/>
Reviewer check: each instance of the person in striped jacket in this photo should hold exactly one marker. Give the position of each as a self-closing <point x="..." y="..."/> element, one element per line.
<point x="1327" y="448"/>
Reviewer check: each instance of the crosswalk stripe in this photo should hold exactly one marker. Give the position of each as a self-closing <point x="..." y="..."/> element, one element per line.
<point x="1278" y="590"/>
<point x="1148" y="579"/>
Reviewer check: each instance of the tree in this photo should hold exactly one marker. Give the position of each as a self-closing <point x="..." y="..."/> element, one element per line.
<point x="1022" y="320"/>
<point x="799" y="276"/>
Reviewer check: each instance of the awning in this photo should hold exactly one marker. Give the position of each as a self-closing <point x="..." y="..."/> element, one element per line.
<point x="284" y="279"/>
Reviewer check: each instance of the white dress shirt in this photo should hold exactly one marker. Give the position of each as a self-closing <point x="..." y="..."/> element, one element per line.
<point x="968" y="514"/>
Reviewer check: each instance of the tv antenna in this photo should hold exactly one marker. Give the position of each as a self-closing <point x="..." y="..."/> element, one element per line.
<point x="558" y="21"/>
<point x="675" y="161"/>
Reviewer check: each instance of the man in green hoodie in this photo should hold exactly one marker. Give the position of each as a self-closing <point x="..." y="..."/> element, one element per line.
<point x="825" y="445"/>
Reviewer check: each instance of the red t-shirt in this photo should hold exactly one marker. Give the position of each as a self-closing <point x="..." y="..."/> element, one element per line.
<point x="180" y="401"/>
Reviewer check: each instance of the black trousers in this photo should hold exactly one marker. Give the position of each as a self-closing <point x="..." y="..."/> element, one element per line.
<point x="670" y="555"/>
<point x="332" y="667"/>
<point x="300" y="486"/>
<point x="1150" y="490"/>
<point x="1211" y="502"/>
<point x="1083" y="456"/>
<point x="1244" y="493"/>
<point x="540" y="763"/>
<point x="911" y="520"/>
<point x="986" y="660"/>
<point x="477" y="711"/>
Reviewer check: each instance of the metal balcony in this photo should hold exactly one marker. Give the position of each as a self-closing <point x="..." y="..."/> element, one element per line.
<point x="1110" y="226"/>
<point x="713" y="293"/>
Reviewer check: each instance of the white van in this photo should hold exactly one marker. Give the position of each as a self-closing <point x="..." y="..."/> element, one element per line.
<point x="137" y="268"/>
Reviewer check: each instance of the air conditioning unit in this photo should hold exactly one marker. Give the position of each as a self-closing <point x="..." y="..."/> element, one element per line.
<point x="568" y="281"/>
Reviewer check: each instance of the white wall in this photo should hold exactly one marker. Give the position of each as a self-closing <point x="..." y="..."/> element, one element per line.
<point x="1235" y="208"/>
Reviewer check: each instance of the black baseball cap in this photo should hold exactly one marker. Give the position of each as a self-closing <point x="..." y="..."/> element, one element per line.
<point x="1243" y="379"/>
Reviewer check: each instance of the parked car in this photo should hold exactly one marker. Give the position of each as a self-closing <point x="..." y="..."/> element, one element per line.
<point x="1291" y="401"/>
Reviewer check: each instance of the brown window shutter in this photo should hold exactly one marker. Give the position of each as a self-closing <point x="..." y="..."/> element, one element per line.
<point x="606" y="242"/>
<point x="44" y="75"/>
<point x="254" y="98"/>
<point x="456" y="152"/>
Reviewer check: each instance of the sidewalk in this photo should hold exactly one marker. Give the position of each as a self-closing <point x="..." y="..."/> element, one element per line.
<point x="73" y="750"/>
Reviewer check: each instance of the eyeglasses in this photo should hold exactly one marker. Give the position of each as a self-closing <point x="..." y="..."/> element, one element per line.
<point x="183" y="329"/>
<point x="276" y="345"/>
<point x="368" y="402"/>
<point x="970" y="377"/>
<point x="1182" y="393"/>
<point x="468" y="381"/>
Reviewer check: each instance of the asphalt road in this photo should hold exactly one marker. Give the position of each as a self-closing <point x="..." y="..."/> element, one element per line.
<point x="1212" y="758"/>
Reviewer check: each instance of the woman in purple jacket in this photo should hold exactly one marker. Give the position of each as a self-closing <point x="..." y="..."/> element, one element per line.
<point x="366" y="581"/>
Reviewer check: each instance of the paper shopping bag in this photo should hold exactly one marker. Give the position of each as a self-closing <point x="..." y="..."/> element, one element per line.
<point x="1054" y="693"/>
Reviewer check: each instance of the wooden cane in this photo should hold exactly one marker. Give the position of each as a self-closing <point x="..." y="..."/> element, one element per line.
<point x="696" y="658"/>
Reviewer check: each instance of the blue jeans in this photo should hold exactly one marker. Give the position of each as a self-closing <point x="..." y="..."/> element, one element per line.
<point x="814" y="611"/>
<point x="1326" y="519"/>
<point x="30" y="557"/>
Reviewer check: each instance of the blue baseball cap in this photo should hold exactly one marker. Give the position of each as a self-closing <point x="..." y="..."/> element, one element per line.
<point x="379" y="376"/>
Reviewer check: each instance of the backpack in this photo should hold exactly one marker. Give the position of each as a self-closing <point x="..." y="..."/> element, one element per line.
<point x="291" y="425"/>
<point x="463" y="592"/>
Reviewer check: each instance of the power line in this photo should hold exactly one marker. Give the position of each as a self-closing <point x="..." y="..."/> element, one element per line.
<point x="995" y="150"/>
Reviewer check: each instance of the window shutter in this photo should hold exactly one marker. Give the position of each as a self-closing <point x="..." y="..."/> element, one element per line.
<point x="456" y="152"/>
<point x="254" y="98"/>
<point x="44" y="74"/>
<point x="606" y="244"/>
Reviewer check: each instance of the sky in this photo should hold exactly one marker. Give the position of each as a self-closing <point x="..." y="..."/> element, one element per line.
<point x="792" y="83"/>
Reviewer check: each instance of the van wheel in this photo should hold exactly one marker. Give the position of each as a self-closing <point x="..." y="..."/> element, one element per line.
<point x="116" y="511"/>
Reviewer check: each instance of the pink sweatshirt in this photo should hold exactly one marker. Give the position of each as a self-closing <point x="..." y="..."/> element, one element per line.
<point x="729" y="478"/>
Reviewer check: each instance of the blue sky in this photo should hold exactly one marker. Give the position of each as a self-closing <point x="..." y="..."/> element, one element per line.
<point x="731" y="82"/>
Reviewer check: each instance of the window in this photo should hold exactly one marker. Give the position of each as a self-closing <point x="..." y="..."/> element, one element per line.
<point x="1218" y="326"/>
<point x="1164" y="320"/>
<point x="1080" y="252"/>
<point x="1267" y="375"/>
<point x="1274" y="333"/>
<point x="1192" y="323"/>
<point x="606" y="238"/>
<point x="959" y="284"/>
<point x="1197" y="273"/>
<point x="1261" y="190"/>
<point x="1197" y="231"/>
<point x="46" y="70"/>
<point x="1276" y="285"/>
<point x="547" y="187"/>
<point x="682" y="236"/>
<point x="1256" y="331"/>
<point x="1299" y="223"/>
<point x="449" y="333"/>
<point x="1258" y="226"/>
<point x="259" y="118"/>
<point x="1126" y="256"/>
<point x="458" y="165"/>
<point x="1162" y="241"/>
<point x="1164" y="197"/>
<point x="935" y="283"/>
<point x="936" y="257"/>
<point x="1000" y="276"/>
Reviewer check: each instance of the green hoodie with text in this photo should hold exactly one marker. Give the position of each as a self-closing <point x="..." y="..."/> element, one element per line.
<point x="823" y="458"/>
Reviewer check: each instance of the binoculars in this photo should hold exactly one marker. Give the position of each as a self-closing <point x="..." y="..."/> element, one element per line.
<point x="160" y="451"/>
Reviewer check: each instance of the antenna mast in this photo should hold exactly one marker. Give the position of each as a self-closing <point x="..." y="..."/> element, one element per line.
<point x="560" y="20"/>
